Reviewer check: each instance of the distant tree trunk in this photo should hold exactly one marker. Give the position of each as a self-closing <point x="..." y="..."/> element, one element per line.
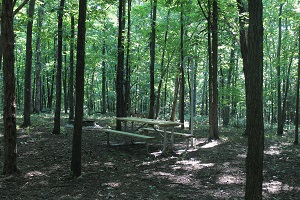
<point x="71" y="78"/>
<point x="182" y="80"/>
<point x="254" y="76"/>
<point x="76" y="147"/>
<point x="65" y="84"/>
<point x="128" y="68"/>
<point x="175" y="100"/>
<point x="213" y="83"/>
<point x="9" y="104"/>
<point x="120" y="69"/>
<point x="163" y="70"/>
<point x="38" y="84"/>
<point x="243" y="9"/>
<point x="152" y="60"/>
<point x="104" y="107"/>
<point x="56" y="129"/>
<point x="296" y="140"/>
<point x="226" y="113"/>
<point x="28" y="67"/>
<point x="279" y="113"/>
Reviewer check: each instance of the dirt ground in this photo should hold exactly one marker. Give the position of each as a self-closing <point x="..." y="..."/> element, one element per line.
<point x="213" y="170"/>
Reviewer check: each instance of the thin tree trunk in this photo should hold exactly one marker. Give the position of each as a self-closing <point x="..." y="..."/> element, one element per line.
<point x="9" y="104"/>
<point x="71" y="78"/>
<point x="77" y="133"/>
<point x="182" y="80"/>
<point x="104" y="106"/>
<point x="38" y="84"/>
<point x="128" y="68"/>
<point x="163" y="71"/>
<point x="296" y="140"/>
<point x="279" y="113"/>
<point x="28" y="67"/>
<point x="120" y="69"/>
<point x="175" y="100"/>
<point x="152" y="60"/>
<point x="56" y="129"/>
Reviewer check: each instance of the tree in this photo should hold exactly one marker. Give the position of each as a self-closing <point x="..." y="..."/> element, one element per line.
<point x="9" y="104"/>
<point x="76" y="147"/>
<point x="255" y="125"/>
<point x="27" y="82"/>
<point x="56" y="129"/>
<point x="213" y="82"/>
<point x="296" y="140"/>
<point x="71" y="79"/>
<point x="38" y="85"/>
<point x="120" y="67"/>
<point x="152" y="59"/>
<point x="280" y="113"/>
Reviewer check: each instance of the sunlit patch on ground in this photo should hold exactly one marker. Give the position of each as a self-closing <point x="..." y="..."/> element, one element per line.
<point x="275" y="187"/>
<point x="191" y="165"/>
<point x="273" y="150"/>
<point x="34" y="174"/>
<point x="211" y="144"/>
<point x="230" y="179"/>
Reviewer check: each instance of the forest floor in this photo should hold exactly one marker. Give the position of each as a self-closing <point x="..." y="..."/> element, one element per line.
<point x="214" y="170"/>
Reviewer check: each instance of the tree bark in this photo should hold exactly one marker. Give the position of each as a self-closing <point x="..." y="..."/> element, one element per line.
<point x="213" y="75"/>
<point x="128" y="68"/>
<point x="152" y="60"/>
<point x="28" y="67"/>
<point x="71" y="78"/>
<point x="38" y="81"/>
<point x="182" y="80"/>
<point x="77" y="133"/>
<point x="279" y="100"/>
<point x="120" y="69"/>
<point x="254" y="76"/>
<point x="296" y="140"/>
<point x="56" y="129"/>
<point x="104" y="107"/>
<point x="9" y="104"/>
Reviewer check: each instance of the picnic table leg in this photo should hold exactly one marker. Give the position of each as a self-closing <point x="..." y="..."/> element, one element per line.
<point x="165" y="140"/>
<point x="172" y="138"/>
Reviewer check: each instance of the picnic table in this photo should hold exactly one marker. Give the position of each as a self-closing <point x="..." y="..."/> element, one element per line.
<point x="144" y="126"/>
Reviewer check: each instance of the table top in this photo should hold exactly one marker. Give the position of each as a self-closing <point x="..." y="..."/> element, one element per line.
<point x="158" y="122"/>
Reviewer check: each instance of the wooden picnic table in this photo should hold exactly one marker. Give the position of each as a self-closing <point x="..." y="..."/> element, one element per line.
<point x="160" y="123"/>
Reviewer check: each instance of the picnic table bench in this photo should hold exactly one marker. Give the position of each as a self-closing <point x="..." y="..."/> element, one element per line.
<point x="184" y="135"/>
<point x="127" y="134"/>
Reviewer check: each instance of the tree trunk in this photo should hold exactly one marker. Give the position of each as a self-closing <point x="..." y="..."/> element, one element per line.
<point x="279" y="113"/>
<point x="128" y="68"/>
<point x="38" y="84"/>
<point x="56" y="129"/>
<point x="120" y="69"/>
<point x="28" y="67"/>
<point x="296" y="140"/>
<point x="182" y="81"/>
<point x="71" y="78"/>
<point x="213" y="109"/>
<point x="254" y="76"/>
<point x="103" y="81"/>
<point x="76" y="147"/>
<point x="175" y="100"/>
<point x="152" y="60"/>
<point x="9" y="104"/>
<point x="163" y="70"/>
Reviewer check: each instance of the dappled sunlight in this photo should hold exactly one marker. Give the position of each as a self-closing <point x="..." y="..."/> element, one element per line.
<point x="230" y="179"/>
<point x="210" y="144"/>
<point x="182" y="179"/>
<point x="32" y="174"/>
<point x="191" y="165"/>
<point x="275" y="187"/>
<point x="273" y="150"/>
